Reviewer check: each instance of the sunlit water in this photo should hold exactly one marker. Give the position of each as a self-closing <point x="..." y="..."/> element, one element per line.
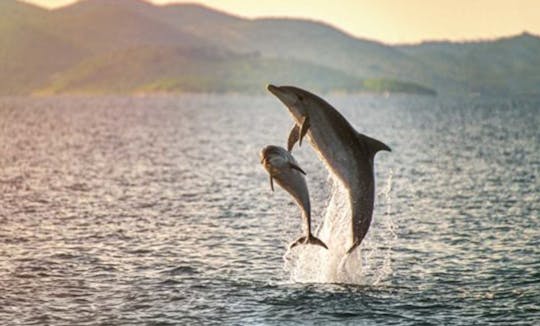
<point x="156" y="210"/>
<point x="365" y="266"/>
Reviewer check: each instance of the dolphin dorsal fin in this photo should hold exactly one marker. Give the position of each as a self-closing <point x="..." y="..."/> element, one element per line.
<point x="373" y="144"/>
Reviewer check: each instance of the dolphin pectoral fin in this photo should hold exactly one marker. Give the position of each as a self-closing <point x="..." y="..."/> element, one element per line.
<point x="298" y="133"/>
<point x="297" y="168"/>
<point x="271" y="183"/>
<point x="303" y="129"/>
<point x="373" y="144"/>
<point x="294" y="135"/>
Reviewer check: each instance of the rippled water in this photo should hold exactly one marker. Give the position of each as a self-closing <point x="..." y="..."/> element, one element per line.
<point x="155" y="210"/>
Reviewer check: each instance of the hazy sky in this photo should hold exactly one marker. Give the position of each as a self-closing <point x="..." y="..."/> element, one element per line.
<point x="392" y="21"/>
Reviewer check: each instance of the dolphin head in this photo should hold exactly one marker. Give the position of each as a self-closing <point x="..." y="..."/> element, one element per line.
<point x="272" y="151"/>
<point x="295" y="99"/>
<point x="281" y="165"/>
<point x="276" y="158"/>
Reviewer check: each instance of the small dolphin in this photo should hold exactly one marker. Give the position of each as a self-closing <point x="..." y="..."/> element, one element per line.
<point x="345" y="152"/>
<point x="282" y="167"/>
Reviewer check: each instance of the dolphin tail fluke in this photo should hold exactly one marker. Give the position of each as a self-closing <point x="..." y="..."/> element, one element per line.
<point x="297" y="242"/>
<point x="355" y="244"/>
<point x="316" y="241"/>
<point x="311" y="239"/>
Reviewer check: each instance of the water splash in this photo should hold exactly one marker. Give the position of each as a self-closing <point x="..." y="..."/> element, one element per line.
<point x="369" y="264"/>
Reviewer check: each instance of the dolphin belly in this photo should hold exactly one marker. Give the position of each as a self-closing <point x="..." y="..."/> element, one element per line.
<point x="297" y="188"/>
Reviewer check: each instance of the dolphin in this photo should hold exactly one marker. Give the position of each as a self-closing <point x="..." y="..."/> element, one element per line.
<point x="282" y="167"/>
<point x="347" y="154"/>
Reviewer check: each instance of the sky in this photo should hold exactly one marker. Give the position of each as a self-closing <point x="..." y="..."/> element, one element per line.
<point x="391" y="21"/>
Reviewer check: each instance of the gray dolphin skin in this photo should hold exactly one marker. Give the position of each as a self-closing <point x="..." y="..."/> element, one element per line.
<point x="347" y="153"/>
<point x="283" y="168"/>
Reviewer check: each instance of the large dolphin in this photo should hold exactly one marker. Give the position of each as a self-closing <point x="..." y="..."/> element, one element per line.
<point x="282" y="167"/>
<point x="345" y="152"/>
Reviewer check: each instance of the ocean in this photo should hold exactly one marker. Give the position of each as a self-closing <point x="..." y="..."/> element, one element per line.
<point x="155" y="210"/>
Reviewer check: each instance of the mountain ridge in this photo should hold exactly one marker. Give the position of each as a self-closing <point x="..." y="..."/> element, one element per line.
<point x="93" y="34"/>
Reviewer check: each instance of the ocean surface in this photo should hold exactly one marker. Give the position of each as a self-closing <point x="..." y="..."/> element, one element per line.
<point x="156" y="211"/>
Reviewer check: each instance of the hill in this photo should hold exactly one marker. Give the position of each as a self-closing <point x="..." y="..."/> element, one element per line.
<point x="505" y="66"/>
<point x="29" y="54"/>
<point x="125" y="46"/>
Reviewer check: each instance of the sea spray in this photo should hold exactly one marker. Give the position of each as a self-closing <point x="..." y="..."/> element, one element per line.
<point x="369" y="264"/>
<point x="388" y="231"/>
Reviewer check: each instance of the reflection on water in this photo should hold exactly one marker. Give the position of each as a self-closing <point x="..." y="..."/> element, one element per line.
<point x="123" y="210"/>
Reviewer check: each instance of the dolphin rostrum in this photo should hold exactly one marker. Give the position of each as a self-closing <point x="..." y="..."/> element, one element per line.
<point x="282" y="167"/>
<point x="345" y="152"/>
